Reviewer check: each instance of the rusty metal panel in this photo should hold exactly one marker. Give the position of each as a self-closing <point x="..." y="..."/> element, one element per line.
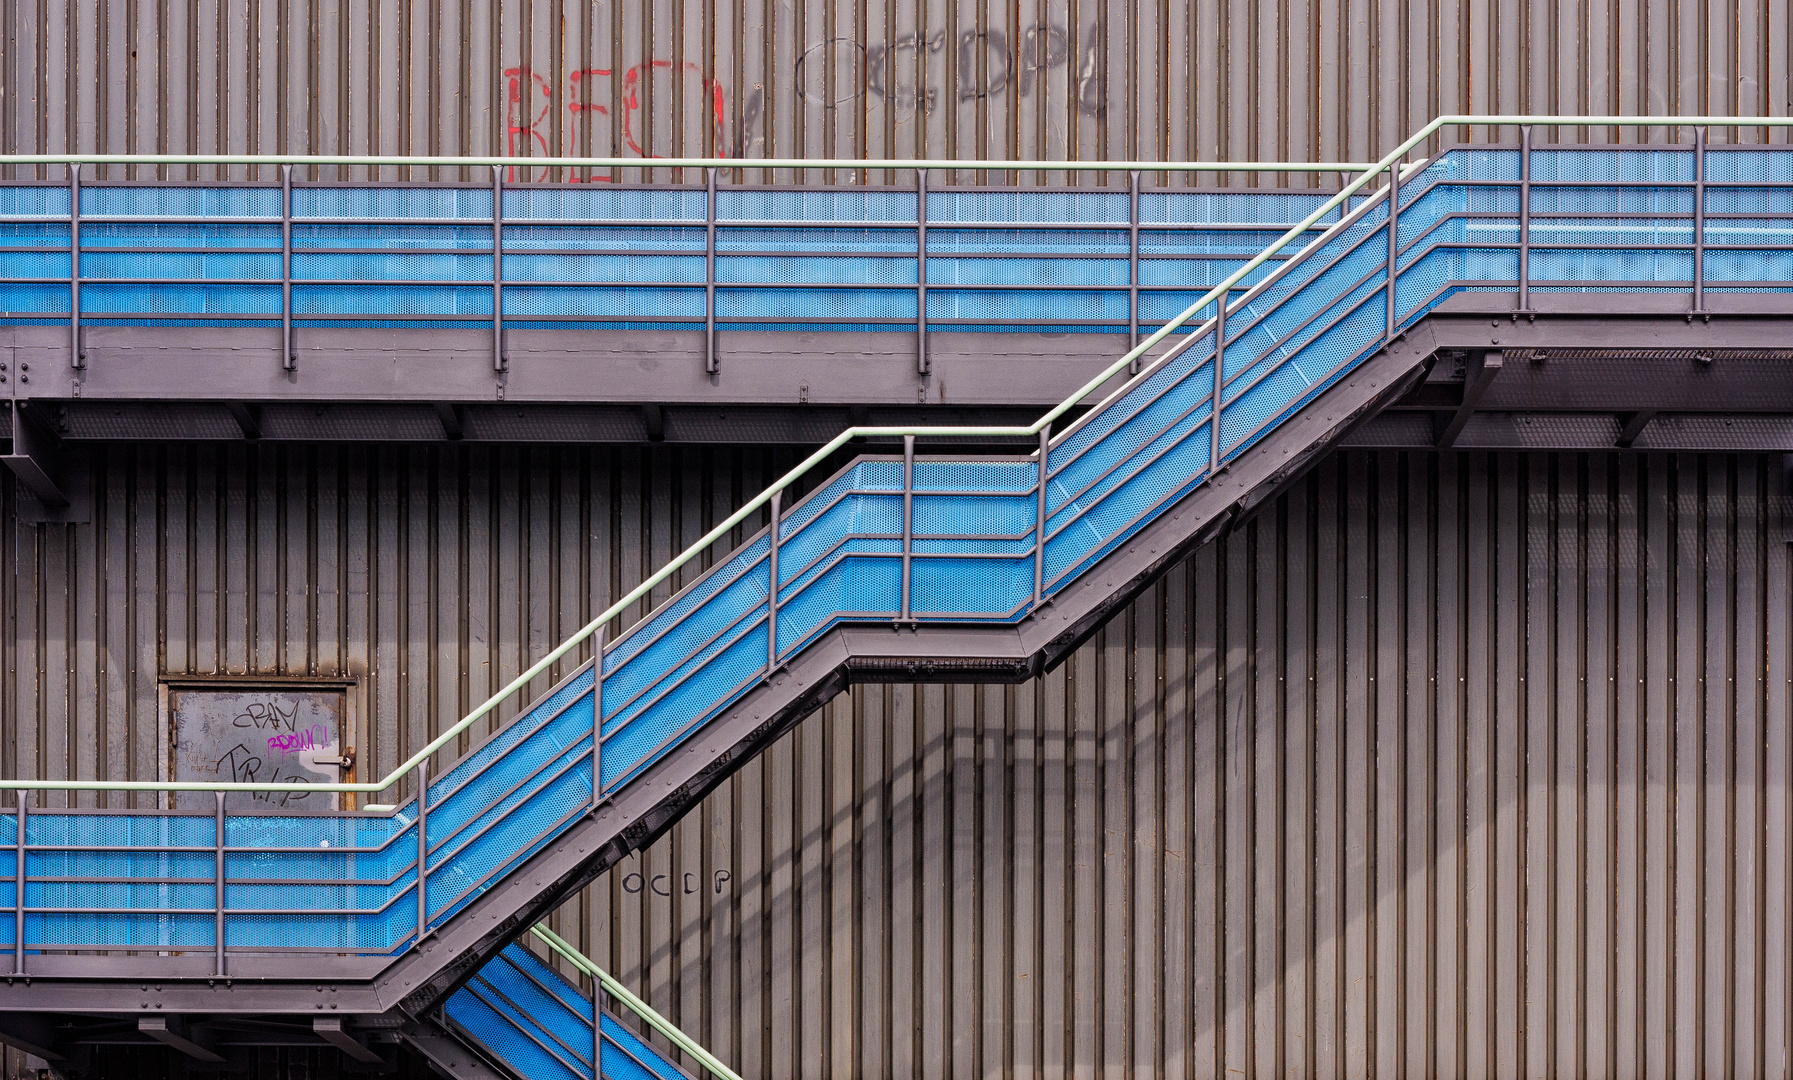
<point x="1049" y="79"/>
<point x="1444" y="762"/>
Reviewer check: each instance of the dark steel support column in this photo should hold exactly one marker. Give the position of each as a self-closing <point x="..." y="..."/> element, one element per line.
<point x="1039" y="531"/>
<point x="18" y="896"/>
<point x="772" y="588"/>
<point x="218" y="968"/>
<point x="497" y="268"/>
<point x="288" y="359"/>
<point x="423" y="849"/>
<point x="1525" y="219"/>
<point x="921" y="271"/>
<point x="710" y="361"/>
<point x="1219" y="386"/>
<point x="1133" y="267"/>
<point x="1394" y="246"/>
<point x="1699" y="223"/>
<point x="908" y="520"/>
<point x="77" y="358"/>
<point x="597" y="719"/>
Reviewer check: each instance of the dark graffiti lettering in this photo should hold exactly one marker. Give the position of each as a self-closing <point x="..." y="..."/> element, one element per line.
<point x="242" y="766"/>
<point x="989" y="45"/>
<point x="634" y="882"/>
<point x="269" y="714"/>
<point x="842" y="58"/>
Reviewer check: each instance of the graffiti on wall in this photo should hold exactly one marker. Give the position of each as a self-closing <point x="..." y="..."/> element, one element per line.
<point x="555" y="114"/>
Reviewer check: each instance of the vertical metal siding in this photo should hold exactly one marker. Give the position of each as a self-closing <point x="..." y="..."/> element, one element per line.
<point x="1089" y="79"/>
<point x="1452" y="764"/>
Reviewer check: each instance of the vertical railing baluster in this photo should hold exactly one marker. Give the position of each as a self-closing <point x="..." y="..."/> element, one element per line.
<point x="908" y="520"/>
<point x="1133" y="267"/>
<point x="1394" y="246"/>
<point x="597" y="1031"/>
<point x="1219" y="385"/>
<point x="497" y="268"/>
<point x="1525" y="219"/>
<point x="288" y="359"/>
<point x="597" y="720"/>
<point x="218" y="968"/>
<point x="18" y="904"/>
<point x="921" y="271"/>
<point x="1039" y="531"/>
<point x="710" y="359"/>
<point x="772" y="588"/>
<point x="76" y="357"/>
<point x="1699" y="222"/>
<point x="423" y="849"/>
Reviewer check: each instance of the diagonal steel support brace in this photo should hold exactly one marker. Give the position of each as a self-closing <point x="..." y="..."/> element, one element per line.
<point x="171" y="1031"/>
<point x="330" y="1030"/>
<point x="1483" y="367"/>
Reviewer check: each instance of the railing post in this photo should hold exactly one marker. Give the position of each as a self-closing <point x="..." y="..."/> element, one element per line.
<point x="1219" y="385"/>
<point x="1133" y="267"/>
<point x="1699" y="223"/>
<point x="710" y="360"/>
<point x="1039" y="531"/>
<point x="423" y="849"/>
<point x="288" y="359"/>
<point x="772" y="588"/>
<point x="218" y="968"/>
<point x="497" y="268"/>
<point x="908" y="520"/>
<point x="921" y="271"/>
<point x="1394" y="246"/>
<point x="597" y="720"/>
<point x="76" y="358"/>
<point x="18" y="905"/>
<point x="1525" y="218"/>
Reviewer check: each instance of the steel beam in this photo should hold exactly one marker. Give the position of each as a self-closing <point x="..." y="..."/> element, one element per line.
<point x="36" y="457"/>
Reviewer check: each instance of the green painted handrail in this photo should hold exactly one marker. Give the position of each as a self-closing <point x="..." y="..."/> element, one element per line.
<point x="636" y="1005"/>
<point x="753" y="506"/>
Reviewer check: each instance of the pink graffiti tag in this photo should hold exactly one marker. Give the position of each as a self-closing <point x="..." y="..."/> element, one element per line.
<point x="314" y="737"/>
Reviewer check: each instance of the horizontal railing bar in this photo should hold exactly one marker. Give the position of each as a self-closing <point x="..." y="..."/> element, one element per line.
<point x="873" y="164"/>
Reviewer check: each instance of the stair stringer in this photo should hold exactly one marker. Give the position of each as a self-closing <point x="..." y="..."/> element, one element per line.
<point x="649" y="805"/>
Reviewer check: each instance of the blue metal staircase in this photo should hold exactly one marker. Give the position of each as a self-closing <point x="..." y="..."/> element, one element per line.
<point x="524" y="1014"/>
<point x="900" y="566"/>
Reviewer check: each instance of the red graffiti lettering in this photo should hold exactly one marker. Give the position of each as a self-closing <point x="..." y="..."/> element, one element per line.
<point x="529" y="105"/>
<point x="632" y="101"/>
<point x="521" y="118"/>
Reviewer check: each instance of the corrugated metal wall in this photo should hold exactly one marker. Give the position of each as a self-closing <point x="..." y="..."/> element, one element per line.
<point x="1091" y="79"/>
<point x="1448" y="764"/>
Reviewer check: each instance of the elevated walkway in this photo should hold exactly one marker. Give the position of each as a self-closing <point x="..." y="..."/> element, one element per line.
<point x="899" y="567"/>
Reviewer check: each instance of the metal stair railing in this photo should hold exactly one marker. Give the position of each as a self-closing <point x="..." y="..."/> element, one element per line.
<point x="905" y="540"/>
